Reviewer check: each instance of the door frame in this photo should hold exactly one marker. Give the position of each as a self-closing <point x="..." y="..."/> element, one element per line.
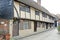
<point x="46" y="25"/>
<point x="17" y="29"/>
<point x="35" y="26"/>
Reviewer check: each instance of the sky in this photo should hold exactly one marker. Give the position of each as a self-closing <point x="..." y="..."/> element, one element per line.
<point x="53" y="6"/>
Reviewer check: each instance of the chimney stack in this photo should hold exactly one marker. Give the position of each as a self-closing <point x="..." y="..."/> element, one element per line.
<point x="39" y="2"/>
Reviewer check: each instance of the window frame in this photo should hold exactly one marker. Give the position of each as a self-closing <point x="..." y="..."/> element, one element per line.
<point x="38" y="24"/>
<point x="25" y="7"/>
<point x="37" y="12"/>
<point x="44" y="14"/>
<point x="24" y="23"/>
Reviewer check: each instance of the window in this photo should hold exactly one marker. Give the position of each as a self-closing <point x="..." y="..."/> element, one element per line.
<point x="38" y="24"/>
<point x="50" y="17"/>
<point x="24" y="24"/>
<point x="53" y="18"/>
<point x="25" y="8"/>
<point x="37" y="12"/>
<point x="43" y="25"/>
<point x="44" y="15"/>
<point x="22" y="8"/>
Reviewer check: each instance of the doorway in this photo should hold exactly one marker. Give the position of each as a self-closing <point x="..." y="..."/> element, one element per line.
<point x="35" y="26"/>
<point x="46" y="25"/>
<point x="16" y="28"/>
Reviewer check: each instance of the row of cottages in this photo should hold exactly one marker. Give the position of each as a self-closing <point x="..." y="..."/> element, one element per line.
<point x="33" y="18"/>
<point x="29" y="18"/>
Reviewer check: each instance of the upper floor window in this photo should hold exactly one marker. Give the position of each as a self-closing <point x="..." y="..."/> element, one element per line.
<point x="25" y="8"/>
<point x="22" y="8"/>
<point x="37" y="12"/>
<point x="53" y="18"/>
<point x="44" y="14"/>
<point x="50" y="17"/>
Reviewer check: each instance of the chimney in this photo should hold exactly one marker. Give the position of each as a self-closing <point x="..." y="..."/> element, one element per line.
<point x="39" y="2"/>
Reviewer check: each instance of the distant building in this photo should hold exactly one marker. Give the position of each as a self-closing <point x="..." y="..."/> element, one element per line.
<point x="29" y="18"/>
<point x="58" y="19"/>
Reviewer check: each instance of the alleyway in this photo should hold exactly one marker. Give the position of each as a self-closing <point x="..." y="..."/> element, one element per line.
<point x="49" y="35"/>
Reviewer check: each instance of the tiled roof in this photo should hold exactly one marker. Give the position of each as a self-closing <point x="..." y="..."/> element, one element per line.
<point x="35" y="5"/>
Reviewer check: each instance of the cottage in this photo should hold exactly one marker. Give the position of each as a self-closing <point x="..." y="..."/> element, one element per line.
<point x="29" y="18"/>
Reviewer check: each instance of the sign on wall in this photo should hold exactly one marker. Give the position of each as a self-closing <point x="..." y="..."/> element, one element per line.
<point x="6" y="9"/>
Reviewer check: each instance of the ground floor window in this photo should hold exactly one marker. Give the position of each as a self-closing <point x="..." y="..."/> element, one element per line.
<point x="38" y="24"/>
<point x="25" y="24"/>
<point x="43" y="25"/>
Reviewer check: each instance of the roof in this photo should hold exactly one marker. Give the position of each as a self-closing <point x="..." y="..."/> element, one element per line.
<point x="35" y="5"/>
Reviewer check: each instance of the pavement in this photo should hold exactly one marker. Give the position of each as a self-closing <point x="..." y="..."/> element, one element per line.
<point x="48" y="35"/>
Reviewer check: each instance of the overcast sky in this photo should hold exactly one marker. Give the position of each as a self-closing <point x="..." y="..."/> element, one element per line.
<point x="53" y="6"/>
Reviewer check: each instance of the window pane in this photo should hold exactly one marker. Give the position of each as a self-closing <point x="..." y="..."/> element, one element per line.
<point x="25" y="24"/>
<point x="27" y="9"/>
<point x="36" y="12"/>
<point x="43" y="25"/>
<point x="22" y="8"/>
<point x="44" y="15"/>
<point x="21" y="24"/>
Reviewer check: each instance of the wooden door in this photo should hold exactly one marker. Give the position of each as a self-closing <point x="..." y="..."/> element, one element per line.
<point x="46" y="25"/>
<point x="16" y="28"/>
<point x="35" y="26"/>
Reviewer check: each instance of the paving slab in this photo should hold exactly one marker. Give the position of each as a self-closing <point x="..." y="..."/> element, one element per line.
<point x="48" y="35"/>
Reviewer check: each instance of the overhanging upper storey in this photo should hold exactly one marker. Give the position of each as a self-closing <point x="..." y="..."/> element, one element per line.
<point x="35" y="5"/>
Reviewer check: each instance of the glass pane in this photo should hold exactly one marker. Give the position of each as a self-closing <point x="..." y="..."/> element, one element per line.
<point x="25" y="24"/>
<point x="27" y="9"/>
<point x="36" y="12"/>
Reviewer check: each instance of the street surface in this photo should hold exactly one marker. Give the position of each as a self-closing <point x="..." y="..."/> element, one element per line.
<point x="49" y="35"/>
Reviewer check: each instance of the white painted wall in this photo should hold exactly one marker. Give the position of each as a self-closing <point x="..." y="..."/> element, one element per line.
<point x="17" y="7"/>
<point x="28" y="15"/>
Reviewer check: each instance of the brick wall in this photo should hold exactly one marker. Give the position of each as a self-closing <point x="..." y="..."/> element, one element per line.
<point x="4" y="25"/>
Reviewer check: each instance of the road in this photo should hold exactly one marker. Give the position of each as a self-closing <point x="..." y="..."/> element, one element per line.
<point x="48" y="35"/>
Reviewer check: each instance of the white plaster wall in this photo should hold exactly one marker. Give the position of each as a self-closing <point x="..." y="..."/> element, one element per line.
<point x="41" y="18"/>
<point x="22" y="14"/>
<point x="17" y="7"/>
<point x="32" y="13"/>
<point x="37" y="17"/>
<point x="27" y="32"/>
<point x="28" y="15"/>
